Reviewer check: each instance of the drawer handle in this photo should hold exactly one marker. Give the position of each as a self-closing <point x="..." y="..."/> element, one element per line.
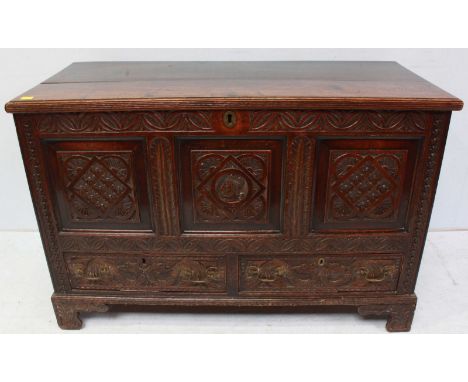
<point x="376" y="278"/>
<point x="229" y="119"/>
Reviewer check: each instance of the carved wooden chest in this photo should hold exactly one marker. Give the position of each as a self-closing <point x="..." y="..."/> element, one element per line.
<point x="234" y="184"/>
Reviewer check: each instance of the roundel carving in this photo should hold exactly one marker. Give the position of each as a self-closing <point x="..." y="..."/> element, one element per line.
<point x="231" y="186"/>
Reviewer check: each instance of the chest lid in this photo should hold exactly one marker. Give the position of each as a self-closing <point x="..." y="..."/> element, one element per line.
<point x="120" y="86"/>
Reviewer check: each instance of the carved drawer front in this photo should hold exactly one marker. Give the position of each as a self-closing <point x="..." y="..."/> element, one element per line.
<point x="318" y="274"/>
<point x="99" y="184"/>
<point x="230" y="184"/>
<point x="151" y="273"/>
<point x="363" y="184"/>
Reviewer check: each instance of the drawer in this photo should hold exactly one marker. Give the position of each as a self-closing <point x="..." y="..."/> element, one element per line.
<point x="169" y="273"/>
<point x="318" y="274"/>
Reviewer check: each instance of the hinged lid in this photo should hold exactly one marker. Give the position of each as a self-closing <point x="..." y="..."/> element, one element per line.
<point x="112" y="86"/>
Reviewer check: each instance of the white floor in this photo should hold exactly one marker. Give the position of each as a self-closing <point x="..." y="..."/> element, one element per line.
<point x="25" y="306"/>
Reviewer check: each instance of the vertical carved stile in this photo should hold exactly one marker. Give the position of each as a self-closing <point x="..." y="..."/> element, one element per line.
<point x="307" y="173"/>
<point x="31" y="151"/>
<point x="433" y="158"/>
<point x="163" y="186"/>
<point x="299" y="166"/>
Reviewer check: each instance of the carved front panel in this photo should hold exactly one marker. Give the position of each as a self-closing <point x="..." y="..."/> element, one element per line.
<point x="100" y="184"/>
<point x="315" y="274"/>
<point x="231" y="184"/>
<point x="155" y="273"/>
<point x="99" y="187"/>
<point x="364" y="184"/>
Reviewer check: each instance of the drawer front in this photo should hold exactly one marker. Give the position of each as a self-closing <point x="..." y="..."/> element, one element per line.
<point x="150" y="273"/>
<point x="318" y="274"/>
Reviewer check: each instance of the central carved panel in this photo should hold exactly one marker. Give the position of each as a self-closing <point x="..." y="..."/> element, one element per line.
<point x="231" y="184"/>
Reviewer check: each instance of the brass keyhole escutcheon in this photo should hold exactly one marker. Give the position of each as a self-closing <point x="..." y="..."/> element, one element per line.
<point x="321" y="262"/>
<point x="229" y="119"/>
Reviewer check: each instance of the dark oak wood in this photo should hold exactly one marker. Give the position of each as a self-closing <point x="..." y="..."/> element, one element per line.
<point x="234" y="185"/>
<point x="116" y="86"/>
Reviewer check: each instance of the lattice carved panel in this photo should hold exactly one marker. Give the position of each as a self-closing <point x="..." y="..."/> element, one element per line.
<point x="99" y="184"/>
<point x="99" y="187"/>
<point x="364" y="184"/>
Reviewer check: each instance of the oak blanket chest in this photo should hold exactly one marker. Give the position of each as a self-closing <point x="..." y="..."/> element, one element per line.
<point x="234" y="184"/>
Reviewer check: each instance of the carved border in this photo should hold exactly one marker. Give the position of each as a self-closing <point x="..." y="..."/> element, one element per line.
<point x="433" y="160"/>
<point x="316" y="244"/>
<point x="116" y="122"/>
<point x="338" y="120"/>
<point x="162" y="173"/>
<point x="30" y="148"/>
<point x="259" y="121"/>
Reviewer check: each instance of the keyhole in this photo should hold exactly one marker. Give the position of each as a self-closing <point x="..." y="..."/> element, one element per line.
<point x="143" y="260"/>
<point x="229" y="119"/>
<point x="321" y="262"/>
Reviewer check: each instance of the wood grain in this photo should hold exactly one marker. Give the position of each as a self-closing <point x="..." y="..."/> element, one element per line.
<point x="317" y="199"/>
<point x="110" y="86"/>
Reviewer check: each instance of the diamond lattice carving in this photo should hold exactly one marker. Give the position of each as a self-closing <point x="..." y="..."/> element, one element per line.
<point x="100" y="187"/>
<point x="364" y="185"/>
